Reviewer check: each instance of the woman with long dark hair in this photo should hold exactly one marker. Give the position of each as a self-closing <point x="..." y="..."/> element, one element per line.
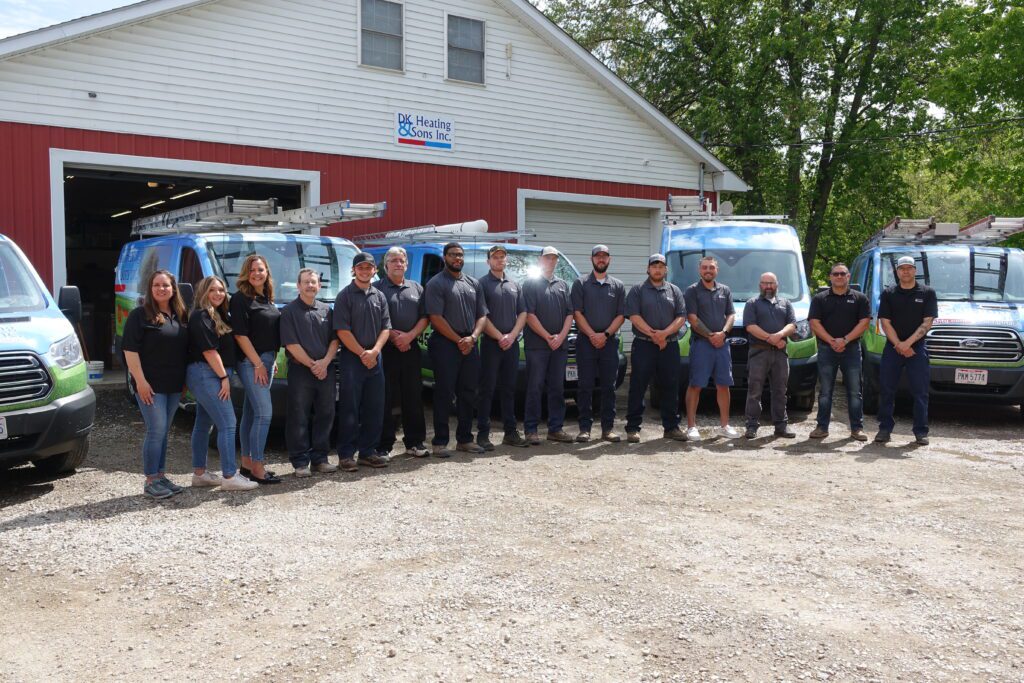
<point x="155" y="345"/>
<point x="256" y="323"/>
<point x="211" y="355"/>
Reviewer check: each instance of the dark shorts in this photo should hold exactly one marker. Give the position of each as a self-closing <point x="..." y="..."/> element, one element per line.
<point x="707" y="362"/>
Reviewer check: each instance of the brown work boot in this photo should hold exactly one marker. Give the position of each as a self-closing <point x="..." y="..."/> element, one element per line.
<point x="819" y="433"/>
<point x="583" y="437"/>
<point x="633" y="437"/>
<point x="858" y="435"/>
<point x="675" y="434"/>
<point x="560" y="437"/>
<point x="611" y="436"/>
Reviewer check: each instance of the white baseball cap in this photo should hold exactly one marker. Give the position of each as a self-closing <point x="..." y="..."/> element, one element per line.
<point x="549" y="251"/>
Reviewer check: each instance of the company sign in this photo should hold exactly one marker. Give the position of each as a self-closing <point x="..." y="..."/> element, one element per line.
<point x="424" y="130"/>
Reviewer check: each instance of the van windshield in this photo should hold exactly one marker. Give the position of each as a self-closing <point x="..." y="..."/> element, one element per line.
<point x="740" y="270"/>
<point x="520" y="265"/>
<point x="964" y="274"/>
<point x="286" y="257"/>
<point x="19" y="291"/>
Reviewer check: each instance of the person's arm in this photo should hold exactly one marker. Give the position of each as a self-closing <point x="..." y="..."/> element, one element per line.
<point x="698" y="326"/>
<point x="640" y="325"/>
<point x="616" y="323"/>
<point x="491" y="331"/>
<point x="348" y="340"/>
<point x="819" y="331"/>
<point x="920" y="332"/>
<point x="730" y="319"/>
<point x="299" y="355"/>
<point x="674" y="326"/>
<point x="517" y="329"/>
<point x="216" y="363"/>
<point x="757" y="332"/>
<point x="889" y="331"/>
<point x="442" y="327"/>
<point x="534" y="324"/>
<point x="858" y="331"/>
<point x="478" y="329"/>
<point x="142" y="388"/>
<point x="566" y="326"/>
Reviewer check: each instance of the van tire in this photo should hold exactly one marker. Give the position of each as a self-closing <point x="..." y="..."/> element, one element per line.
<point x="64" y="463"/>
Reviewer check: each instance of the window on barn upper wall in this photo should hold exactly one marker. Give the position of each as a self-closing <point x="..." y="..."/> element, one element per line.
<point x="465" y="49"/>
<point x="381" y="34"/>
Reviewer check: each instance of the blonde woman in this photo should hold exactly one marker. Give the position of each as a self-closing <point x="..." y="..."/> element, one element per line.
<point x="256" y="324"/>
<point x="211" y="356"/>
<point x="155" y="345"/>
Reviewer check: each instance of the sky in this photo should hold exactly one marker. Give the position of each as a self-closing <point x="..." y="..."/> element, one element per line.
<point x="20" y="16"/>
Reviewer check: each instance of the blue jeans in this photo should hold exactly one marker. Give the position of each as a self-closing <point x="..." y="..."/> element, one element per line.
<point x="257" y="409"/>
<point x="660" y="365"/>
<point x="211" y="410"/>
<point x="918" y="375"/>
<point x="360" y="407"/>
<point x="596" y="364"/>
<point x="545" y="369"/>
<point x="158" y="418"/>
<point x="498" y="372"/>
<point x="829" y="364"/>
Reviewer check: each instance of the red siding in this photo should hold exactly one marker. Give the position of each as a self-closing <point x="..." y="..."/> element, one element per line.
<point x="416" y="193"/>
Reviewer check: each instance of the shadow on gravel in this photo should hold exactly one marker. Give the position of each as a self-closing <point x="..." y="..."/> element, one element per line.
<point x="22" y="484"/>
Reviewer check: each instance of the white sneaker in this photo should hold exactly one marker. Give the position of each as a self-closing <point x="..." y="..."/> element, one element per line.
<point x="205" y="479"/>
<point x="237" y="483"/>
<point x="303" y="472"/>
<point x="692" y="434"/>
<point x="418" y="451"/>
<point x="727" y="432"/>
<point x="325" y="467"/>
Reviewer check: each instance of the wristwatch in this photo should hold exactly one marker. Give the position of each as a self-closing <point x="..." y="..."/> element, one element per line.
<point x="607" y="334"/>
<point x="223" y="378"/>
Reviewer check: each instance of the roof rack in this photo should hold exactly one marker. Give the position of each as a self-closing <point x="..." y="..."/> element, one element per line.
<point x="918" y="231"/>
<point x="688" y="208"/>
<point x="471" y="231"/>
<point x="252" y="215"/>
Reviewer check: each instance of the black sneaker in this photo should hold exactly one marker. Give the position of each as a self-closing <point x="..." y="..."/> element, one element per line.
<point x="785" y="432"/>
<point x="922" y="440"/>
<point x="484" y="442"/>
<point x="882" y="436"/>
<point x="751" y="433"/>
<point x="515" y="439"/>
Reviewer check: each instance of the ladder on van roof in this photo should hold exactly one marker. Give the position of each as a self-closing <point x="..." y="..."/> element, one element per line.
<point x="684" y="209"/>
<point x="252" y="215"/>
<point x="920" y="231"/>
<point x="471" y="232"/>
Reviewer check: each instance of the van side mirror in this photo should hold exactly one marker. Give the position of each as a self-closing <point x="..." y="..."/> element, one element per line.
<point x="855" y="286"/>
<point x="187" y="294"/>
<point x="69" y="301"/>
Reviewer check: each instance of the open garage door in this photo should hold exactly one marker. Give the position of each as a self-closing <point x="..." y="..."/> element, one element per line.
<point x="575" y="228"/>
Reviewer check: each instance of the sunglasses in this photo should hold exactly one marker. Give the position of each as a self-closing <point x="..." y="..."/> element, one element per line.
<point x="839" y="274"/>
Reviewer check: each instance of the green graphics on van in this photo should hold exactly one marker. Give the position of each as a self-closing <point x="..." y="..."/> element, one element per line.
<point x="46" y="407"/>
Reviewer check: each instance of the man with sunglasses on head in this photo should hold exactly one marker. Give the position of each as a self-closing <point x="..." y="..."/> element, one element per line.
<point x="839" y="316"/>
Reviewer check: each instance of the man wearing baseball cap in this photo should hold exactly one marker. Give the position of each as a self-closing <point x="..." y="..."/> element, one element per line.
<point x="599" y="307"/>
<point x="906" y="311"/>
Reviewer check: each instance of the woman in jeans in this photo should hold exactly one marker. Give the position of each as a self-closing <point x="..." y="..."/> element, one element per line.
<point x="211" y="356"/>
<point x="256" y="323"/>
<point x="155" y="345"/>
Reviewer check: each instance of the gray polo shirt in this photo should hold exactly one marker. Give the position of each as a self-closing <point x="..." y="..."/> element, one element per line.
<point x="712" y="306"/>
<point x="771" y="315"/>
<point x="658" y="306"/>
<point x="504" y="299"/>
<point x="460" y="301"/>
<point x="406" y="303"/>
<point x="550" y="301"/>
<point x="307" y="326"/>
<point x="600" y="303"/>
<point x="364" y="313"/>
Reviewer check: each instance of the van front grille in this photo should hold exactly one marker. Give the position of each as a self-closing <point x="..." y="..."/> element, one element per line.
<point x="23" y="377"/>
<point x="974" y="344"/>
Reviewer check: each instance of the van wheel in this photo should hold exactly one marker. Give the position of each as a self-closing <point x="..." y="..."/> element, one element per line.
<point x="63" y="463"/>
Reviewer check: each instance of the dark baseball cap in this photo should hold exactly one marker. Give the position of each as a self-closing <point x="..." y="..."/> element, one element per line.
<point x="599" y="249"/>
<point x="361" y="258"/>
<point x="496" y="247"/>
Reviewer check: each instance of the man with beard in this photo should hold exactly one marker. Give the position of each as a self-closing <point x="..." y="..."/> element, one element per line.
<point x="599" y="305"/>
<point x="769" y="321"/>
<point x="711" y="315"/>
<point x="458" y="314"/>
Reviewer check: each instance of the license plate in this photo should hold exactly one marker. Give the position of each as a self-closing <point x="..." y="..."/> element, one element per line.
<point x="971" y="376"/>
<point x="3" y="427"/>
<point x="572" y="373"/>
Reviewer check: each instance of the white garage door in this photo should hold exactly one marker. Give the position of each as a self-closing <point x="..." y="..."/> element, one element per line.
<point x="575" y="228"/>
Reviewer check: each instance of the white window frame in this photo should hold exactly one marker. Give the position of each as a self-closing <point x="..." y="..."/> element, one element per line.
<point x="448" y="78"/>
<point x="359" y="41"/>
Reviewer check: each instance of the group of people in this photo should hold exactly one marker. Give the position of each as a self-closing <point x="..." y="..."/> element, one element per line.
<point x="350" y="367"/>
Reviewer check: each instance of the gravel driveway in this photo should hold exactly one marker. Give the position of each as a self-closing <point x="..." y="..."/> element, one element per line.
<point x="761" y="560"/>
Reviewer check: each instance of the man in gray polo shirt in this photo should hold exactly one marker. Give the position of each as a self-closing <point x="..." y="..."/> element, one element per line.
<point x="363" y="325"/>
<point x="769" y="320"/>
<point x="548" y="319"/>
<point x="458" y="313"/>
<point x="499" y="350"/>
<point x="311" y="348"/>
<point x="599" y="305"/>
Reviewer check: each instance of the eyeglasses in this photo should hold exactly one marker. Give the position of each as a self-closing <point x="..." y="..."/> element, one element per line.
<point x="839" y="274"/>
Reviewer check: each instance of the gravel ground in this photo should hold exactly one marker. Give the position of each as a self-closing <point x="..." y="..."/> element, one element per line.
<point x="762" y="560"/>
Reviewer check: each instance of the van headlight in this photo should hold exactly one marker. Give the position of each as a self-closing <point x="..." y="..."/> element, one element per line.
<point x="803" y="330"/>
<point x="66" y="352"/>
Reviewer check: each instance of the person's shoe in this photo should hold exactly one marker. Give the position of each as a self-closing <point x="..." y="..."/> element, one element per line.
<point x="785" y="432"/>
<point x="374" y="460"/>
<point x="727" y="432"/>
<point x="611" y="436"/>
<point x="384" y="454"/>
<point x="246" y="472"/>
<point x="560" y="437"/>
<point x="515" y="439"/>
<point x="206" y="479"/>
<point x="270" y="478"/>
<point x="632" y="437"/>
<point x="469" y="447"/>
<point x="441" y="451"/>
<point x="533" y="439"/>
<point x="858" y="435"/>
<point x="156" y="490"/>
<point x="417" y="451"/>
<point x="882" y="436"/>
<point x="922" y="440"/>
<point x="303" y="472"/>
<point x="819" y="433"/>
<point x="237" y="483"/>
<point x="484" y="442"/>
<point x="583" y="437"/>
<point x="674" y="434"/>
<point x="325" y="467"/>
<point x="751" y="433"/>
<point x="170" y="485"/>
<point x="348" y="465"/>
<point x="692" y="434"/>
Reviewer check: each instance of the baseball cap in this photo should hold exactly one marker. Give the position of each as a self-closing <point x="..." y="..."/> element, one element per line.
<point x="657" y="258"/>
<point x="598" y="248"/>
<point x="549" y="251"/>
<point x="497" y="247"/>
<point x="906" y="261"/>
<point x="363" y="257"/>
